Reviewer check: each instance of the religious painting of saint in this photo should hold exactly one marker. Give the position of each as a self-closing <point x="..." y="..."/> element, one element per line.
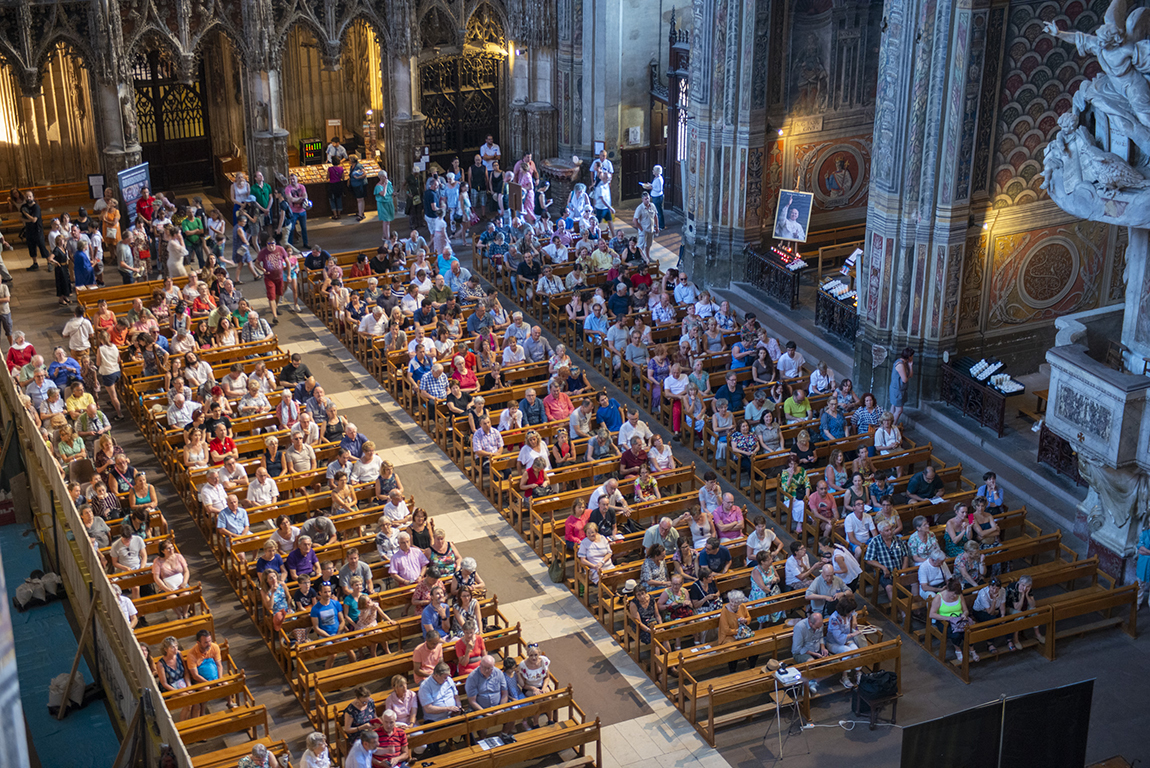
<point x="837" y="178"/>
<point x="794" y="215"/>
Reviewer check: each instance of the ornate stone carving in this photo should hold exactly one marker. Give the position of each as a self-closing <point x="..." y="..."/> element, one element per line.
<point x="1083" y="411"/>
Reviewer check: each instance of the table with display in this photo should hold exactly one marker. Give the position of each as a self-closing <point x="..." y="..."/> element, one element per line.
<point x="314" y="179"/>
<point x="980" y="400"/>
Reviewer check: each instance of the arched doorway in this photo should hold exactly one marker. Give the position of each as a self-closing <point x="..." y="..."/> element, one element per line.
<point x="173" y="123"/>
<point x="460" y="84"/>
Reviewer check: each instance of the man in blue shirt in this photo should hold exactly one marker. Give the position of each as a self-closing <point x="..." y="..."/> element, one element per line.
<point x="596" y="322"/>
<point x="532" y="407"/>
<point x="715" y="556"/>
<point x="732" y="392"/>
<point x="486" y="686"/>
<point x="610" y="414"/>
<point x="233" y="521"/>
<point x="37" y="389"/>
<point x="327" y="618"/>
<point x="479" y="321"/>
<point x="619" y="304"/>
<point x="419" y="366"/>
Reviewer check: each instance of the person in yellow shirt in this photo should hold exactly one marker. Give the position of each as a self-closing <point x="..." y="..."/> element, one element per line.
<point x="797" y="407"/>
<point x="78" y="401"/>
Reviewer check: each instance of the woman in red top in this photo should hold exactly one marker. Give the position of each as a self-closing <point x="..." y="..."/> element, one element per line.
<point x="468" y="382"/>
<point x="573" y="528"/>
<point x="20" y="353"/>
<point x="535" y="477"/>
<point x="469" y="650"/>
<point x="361" y="268"/>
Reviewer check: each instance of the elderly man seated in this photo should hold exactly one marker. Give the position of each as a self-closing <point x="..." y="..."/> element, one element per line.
<point x="826" y="590"/>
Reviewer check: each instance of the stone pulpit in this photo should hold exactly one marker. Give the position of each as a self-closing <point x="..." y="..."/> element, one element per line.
<point x="1098" y="168"/>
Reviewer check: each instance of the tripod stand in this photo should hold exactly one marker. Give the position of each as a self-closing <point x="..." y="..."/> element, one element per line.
<point x="793" y="693"/>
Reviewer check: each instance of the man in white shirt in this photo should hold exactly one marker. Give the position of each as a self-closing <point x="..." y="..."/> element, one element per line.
<point x="556" y="251"/>
<point x="334" y="150"/>
<point x="615" y="500"/>
<point x="549" y="285"/>
<point x="601" y="164"/>
<point x="859" y="527"/>
<point x="367" y="469"/>
<point x="395" y="509"/>
<point x="489" y="152"/>
<point x="634" y="428"/>
<point x="933" y="574"/>
<point x="646" y="220"/>
<point x="373" y="323"/>
<point x="579" y="422"/>
<point x="685" y="292"/>
<point x="263" y="489"/>
<point x="129" y="609"/>
<point x="78" y="331"/>
<point x="212" y="494"/>
<point x="790" y="363"/>
<point x="181" y="412"/>
<point x="233" y="476"/>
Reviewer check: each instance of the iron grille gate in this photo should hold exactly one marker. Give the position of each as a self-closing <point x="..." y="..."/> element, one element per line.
<point x="460" y="99"/>
<point x="173" y="123"/>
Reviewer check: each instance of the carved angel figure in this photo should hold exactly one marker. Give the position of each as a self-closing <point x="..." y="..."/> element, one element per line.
<point x="1123" y="52"/>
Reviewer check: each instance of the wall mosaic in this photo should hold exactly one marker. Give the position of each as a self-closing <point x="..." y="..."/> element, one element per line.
<point x="1046" y="273"/>
<point x="1039" y="78"/>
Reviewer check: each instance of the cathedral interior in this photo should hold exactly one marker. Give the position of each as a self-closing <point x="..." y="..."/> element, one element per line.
<point x="873" y="176"/>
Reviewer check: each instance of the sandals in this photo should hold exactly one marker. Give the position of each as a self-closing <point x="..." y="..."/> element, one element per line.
<point x="1010" y="646"/>
<point x="990" y="648"/>
<point x="974" y="655"/>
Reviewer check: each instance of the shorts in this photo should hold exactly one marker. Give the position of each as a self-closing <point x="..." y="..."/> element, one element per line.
<point x="274" y="287"/>
<point x="358" y="192"/>
<point x="604" y="214"/>
<point x="110" y="379"/>
<point x="435" y="223"/>
<point x="6" y="323"/>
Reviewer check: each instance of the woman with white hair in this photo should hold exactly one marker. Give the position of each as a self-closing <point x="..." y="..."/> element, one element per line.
<point x="316" y="755"/>
<point x="578" y="205"/>
<point x="261" y="757"/>
<point x="467" y="576"/>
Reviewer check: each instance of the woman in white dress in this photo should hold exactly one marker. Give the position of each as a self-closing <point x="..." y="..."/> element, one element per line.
<point x="177" y="252"/>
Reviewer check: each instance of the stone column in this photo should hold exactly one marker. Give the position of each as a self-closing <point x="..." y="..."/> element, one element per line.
<point x="726" y="138"/>
<point x="405" y="128"/>
<point x="267" y="145"/>
<point x="519" y="73"/>
<point x="116" y="103"/>
<point x="918" y="220"/>
<point x="542" y="134"/>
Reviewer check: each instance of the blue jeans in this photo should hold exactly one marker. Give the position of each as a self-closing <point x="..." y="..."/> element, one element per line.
<point x="658" y="203"/>
<point x="300" y="218"/>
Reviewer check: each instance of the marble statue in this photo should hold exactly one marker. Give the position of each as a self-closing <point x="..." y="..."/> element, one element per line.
<point x="1096" y="167"/>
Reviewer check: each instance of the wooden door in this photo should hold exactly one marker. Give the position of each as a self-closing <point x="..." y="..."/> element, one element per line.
<point x="173" y="123"/>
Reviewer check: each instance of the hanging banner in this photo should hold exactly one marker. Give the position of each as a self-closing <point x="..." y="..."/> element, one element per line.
<point x="131" y="181"/>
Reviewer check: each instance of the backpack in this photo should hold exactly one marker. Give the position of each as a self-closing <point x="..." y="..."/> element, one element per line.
<point x="874" y="685"/>
<point x="557" y="572"/>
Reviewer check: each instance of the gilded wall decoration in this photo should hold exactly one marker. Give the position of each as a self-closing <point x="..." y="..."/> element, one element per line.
<point x="1039" y="77"/>
<point x="1046" y="273"/>
<point x="970" y="306"/>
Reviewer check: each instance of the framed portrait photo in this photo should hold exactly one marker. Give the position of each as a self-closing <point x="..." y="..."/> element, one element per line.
<point x="794" y="215"/>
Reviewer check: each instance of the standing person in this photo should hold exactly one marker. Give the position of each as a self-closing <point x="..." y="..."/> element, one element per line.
<point x="601" y="202"/>
<point x="34" y="229"/>
<point x="296" y="195"/>
<point x="900" y="381"/>
<point x="489" y="153"/>
<point x="192" y="227"/>
<point x="385" y="204"/>
<point x="357" y="181"/>
<point x="240" y="192"/>
<point x="655" y="188"/>
<point x="262" y="194"/>
<point x="61" y="270"/>
<point x="433" y="214"/>
<point x="477" y="182"/>
<point x="272" y="259"/>
<point x="335" y="187"/>
<point x="646" y="220"/>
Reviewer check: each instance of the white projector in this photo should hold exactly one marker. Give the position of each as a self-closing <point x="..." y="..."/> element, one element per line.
<point x="788" y="676"/>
